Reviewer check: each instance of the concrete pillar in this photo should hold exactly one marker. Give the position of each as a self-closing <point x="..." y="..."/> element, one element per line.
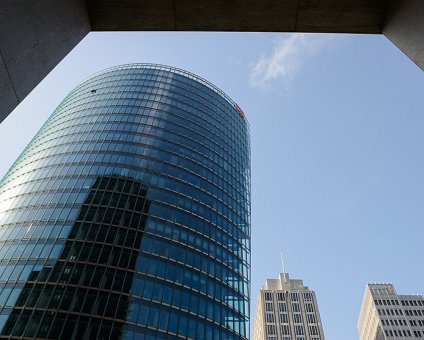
<point x="404" y="27"/>
<point x="35" y="35"/>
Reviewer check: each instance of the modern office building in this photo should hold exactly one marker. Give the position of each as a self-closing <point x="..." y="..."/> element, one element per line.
<point x="287" y="310"/>
<point x="128" y="214"/>
<point x="386" y="315"/>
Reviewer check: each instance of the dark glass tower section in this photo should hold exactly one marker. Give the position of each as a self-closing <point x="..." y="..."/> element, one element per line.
<point x="128" y="214"/>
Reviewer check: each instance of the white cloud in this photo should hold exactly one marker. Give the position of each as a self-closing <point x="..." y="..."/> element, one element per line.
<point x="286" y="59"/>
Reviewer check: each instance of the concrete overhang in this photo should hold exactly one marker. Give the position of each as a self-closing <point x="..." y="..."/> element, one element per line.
<point x="340" y="16"/>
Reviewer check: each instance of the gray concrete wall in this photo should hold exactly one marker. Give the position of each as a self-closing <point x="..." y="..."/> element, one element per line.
<point x="404" y="27"/>
<point x="35" y="35"/>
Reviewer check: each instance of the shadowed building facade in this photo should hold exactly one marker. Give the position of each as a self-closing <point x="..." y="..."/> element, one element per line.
<point x="128" y="214"/>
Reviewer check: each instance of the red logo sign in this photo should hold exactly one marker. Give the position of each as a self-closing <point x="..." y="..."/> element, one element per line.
<point x="239" y="110"/>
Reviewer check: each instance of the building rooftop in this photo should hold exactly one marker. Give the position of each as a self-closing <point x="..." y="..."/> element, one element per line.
<point x="284" y="283"/>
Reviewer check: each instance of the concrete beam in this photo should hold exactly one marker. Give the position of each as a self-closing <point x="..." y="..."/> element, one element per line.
<point x="348" y="16"/>
<point x="404" y="27"/>
<point x="35" y="35"/>
<point x="341" y="16"/>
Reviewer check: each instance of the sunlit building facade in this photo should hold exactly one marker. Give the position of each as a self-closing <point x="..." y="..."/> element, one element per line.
<point x="287" y="310"/>
<point x="128" y="214"/>
<point x="387" y="315"/>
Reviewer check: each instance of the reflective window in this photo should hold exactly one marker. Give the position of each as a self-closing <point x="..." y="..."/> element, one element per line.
<point x="130" y="211"/>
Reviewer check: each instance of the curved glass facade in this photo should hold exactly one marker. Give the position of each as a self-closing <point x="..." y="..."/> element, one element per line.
<point x="128" y="214"/>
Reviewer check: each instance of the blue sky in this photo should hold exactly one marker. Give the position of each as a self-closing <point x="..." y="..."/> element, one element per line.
<point x="337" y="150"/>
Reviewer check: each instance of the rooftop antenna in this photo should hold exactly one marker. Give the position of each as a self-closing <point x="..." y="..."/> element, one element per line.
<point x="282" y="261"/>
<point x="284" y="269"/>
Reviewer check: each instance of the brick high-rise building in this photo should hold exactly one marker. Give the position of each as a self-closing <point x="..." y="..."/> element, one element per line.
<point x="287" y="310"/>
<point x="386" y="315"/>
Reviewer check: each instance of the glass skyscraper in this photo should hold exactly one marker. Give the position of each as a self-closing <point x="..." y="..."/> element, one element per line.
<point x="128" y="214"/>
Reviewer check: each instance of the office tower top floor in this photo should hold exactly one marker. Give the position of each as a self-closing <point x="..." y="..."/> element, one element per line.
<point x="386" y="315"/>
<point x="287" y="310"/>
<point x="128" y="214"/>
